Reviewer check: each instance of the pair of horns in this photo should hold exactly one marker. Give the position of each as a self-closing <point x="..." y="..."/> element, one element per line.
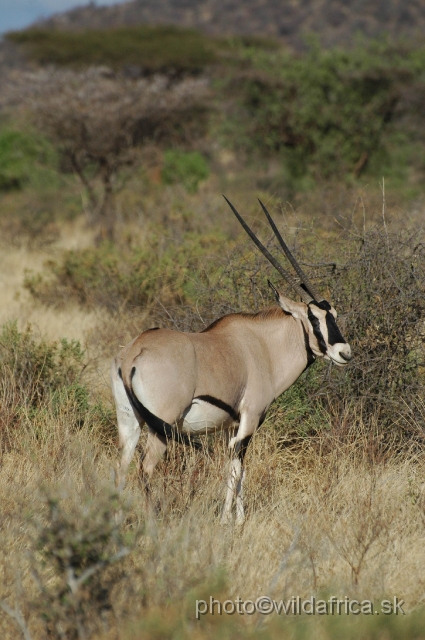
<point x="306" y="289"/>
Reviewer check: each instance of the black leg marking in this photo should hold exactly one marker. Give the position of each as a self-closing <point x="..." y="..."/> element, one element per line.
<point x="120" y="372"/>
<point x="221" y="405"/>
<point x="241" y="446"/>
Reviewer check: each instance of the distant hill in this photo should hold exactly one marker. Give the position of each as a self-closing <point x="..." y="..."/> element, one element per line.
<point x="334" y="21"/>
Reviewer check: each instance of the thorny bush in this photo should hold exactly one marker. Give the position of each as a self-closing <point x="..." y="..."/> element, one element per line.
<point x="81" y="548"/>
<point x="381" y="290"/>
<point x="377" y="286"/>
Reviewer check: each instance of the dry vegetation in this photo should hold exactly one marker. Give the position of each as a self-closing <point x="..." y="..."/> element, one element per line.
<point x="335" y="485"/>
<point x="318" y="524"/>
<point x="335" y="494"/>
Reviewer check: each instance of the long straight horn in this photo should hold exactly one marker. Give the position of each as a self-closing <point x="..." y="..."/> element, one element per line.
<point x="305" y="281"/>
<point x="300" y="291"/>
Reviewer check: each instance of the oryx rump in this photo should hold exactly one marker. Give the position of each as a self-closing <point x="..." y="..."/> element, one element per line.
<point x="225" y="377"/>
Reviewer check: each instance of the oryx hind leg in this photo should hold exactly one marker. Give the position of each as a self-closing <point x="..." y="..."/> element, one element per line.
<point x="156" y="447"/>
<point x="238" y="446"/>
<point x="129" y="427"/>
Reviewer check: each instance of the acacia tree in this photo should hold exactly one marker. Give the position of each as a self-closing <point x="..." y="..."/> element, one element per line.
<point x="98" y="120"/>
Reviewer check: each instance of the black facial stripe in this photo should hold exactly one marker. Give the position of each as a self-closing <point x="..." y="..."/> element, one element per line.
<point x="310" y="355"/>
<point x="324" y="305"/>
<point x="220" y="404"/>
<point x="315" y="323"/>
<point x="334" y="334"/>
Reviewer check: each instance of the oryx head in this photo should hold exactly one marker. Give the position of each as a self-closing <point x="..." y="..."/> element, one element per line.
<point x="317" y="316"/>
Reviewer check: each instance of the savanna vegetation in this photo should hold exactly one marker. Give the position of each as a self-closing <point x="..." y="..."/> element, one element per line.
<point x="112" y="222"/>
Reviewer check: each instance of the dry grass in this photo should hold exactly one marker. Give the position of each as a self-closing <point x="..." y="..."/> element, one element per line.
<point x="16" y="302"/>
<point x="317" y="524"/>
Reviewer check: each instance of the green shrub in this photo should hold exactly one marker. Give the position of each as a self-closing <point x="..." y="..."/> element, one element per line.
<point x="162" y="270"/>
<point x="39" y="377"/>
<point x="37" y="366"/>
<point x="25" y="157"/>
<point x="153" y="49"/>
<point x="188" y="168"/>
<point x="326" y="112"/>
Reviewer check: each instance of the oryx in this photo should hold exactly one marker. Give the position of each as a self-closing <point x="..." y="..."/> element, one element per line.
<point x="225" y="377"/>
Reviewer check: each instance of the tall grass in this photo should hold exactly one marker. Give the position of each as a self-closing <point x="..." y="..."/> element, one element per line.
<point x="318" y="524"/>
<point x="77" y="560"/>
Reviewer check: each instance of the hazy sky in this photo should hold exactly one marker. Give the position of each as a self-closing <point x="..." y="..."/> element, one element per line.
<point x="16" y="14"/>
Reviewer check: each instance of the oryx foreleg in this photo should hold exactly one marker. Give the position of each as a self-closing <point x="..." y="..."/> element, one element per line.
<point x="240" y="450"/>
<point x="238" y="446"/>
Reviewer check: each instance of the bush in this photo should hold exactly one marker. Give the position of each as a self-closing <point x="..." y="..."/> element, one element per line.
<point x="140" y="48"/>
<point x="381" y="289"/>
<point x="327" y="112"/>
<point x="162" y="270"/>
<point x="82" y="549"/>
<point x="97" y="121"/>
<point x="25" y="158"/>
<point x="188" y="168"/>
<point x="377" y="287"/>
<point x="36" y="377"/>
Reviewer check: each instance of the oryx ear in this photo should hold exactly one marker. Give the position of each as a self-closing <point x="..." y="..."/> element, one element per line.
<point x="275" y="291"/>
<point x="295" y="309"/>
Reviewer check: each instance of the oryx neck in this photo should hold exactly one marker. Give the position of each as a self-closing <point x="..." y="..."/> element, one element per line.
<point x="287" y="345"/>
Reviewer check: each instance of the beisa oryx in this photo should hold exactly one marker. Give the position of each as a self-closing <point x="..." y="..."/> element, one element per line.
<point x="225" y="377"/>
